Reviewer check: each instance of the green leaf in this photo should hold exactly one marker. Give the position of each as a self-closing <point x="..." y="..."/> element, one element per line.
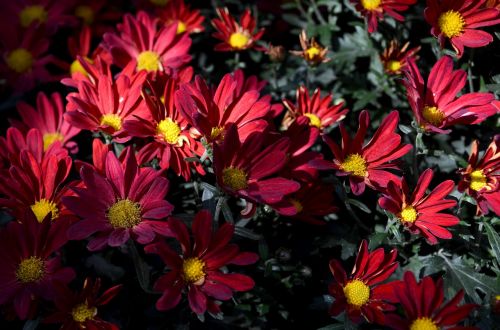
<point x="494" y="240"/>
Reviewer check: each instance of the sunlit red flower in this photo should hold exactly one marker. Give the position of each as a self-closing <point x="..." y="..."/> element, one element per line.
<point x="320" y="111"/>
<point x="481" y="178"/>
<point x="368" y="164"/>
<point x="236" y="36"/>
<point x="31" y="267"/>
<point x="374" y="10"/>
<point x="424" y="307"/>
<point x="458" y="21"/>
<point x="395" y="58"/>
<point x="361" y="295"/>
<point x="197" y="269"/>
<point x="177" y="12"/>
<point x="418" y="212"/>
<point x="435" y="104"/>
<point x="79" y="310"/>
<point x="312" y="51"/>
<point x="153" y="47"/>
<point x="128" y="202"/>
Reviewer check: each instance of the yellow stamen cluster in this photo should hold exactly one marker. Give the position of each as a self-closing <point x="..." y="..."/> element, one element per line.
<point x="408" y="214"/>
<point x="149" y="61"/>
<point x="83" y="312"/>
<point x="356" y="293"/>
<point x="477" y="180"/>
<point x="238" y="40"/>
<point x="43" y="207"/>
<point x="169" y="130"/>
<point x="423" y="323"/>
<point x="30" y="270"/>
<point x="112" y="120"/>
<point x="31" y="14"/>
<point x="298" y="205"/>
<point x="370" y="4"/>
<point x="393" y="66"/>
<point x="76" y="66"/>
<point x="217" y="133"/>
<point x="124" y="214"/>
<point x="20" y="60"/>
<point x="49" y="138"/>
<point x="312" y="52"/>
<point x="181" y="27"/>
<point x="451" y="23"/>
<point x="193" y="270"/>
<point x="356" y="164"/>
<point x="433" y="115"/>
<point x="313" y="120"/>
<point x="85" y="13"/>
<point x="235" y="178"/>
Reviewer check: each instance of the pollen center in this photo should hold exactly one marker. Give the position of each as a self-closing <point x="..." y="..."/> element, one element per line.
<point x="370" y="4"/>
<point x="49" y="138"/>
<point x="423" y="323"/>
<point x="169" y="130"/>
<point x="83" y="312"/>
<point x="235" y="178"/>
<point x="355" y="164"/>
<point x="433" y="115"/>
<point x="356" y="293"/>
<point x="76" y="66"/>
<point x="298" y="205"/>
<point x="238" y="40"/>
<point x="124" y="214"/>
<point x="149" y="61"/>
<point x="181" y="27"/>
<point x="30" y="270"/>
<point x="112" y="120"/>
<point x="20" y="60"/>
<point x="393" y="66"/>
<point x="451" y="23"/>
<point x="477" y="180"/>
<point x="43" y="207"/>
<point x="85" y="13"/>
<point x="216" y="133"/>
<point x="312" y="52"/>
<point x="408" y="214"/>
<point x="313" y="120"/>
<point x="193" y="270"/>
<point x="32" y="13"/>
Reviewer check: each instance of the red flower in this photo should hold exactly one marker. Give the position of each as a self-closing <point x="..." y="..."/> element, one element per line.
<point x="127" y="202"/>
<point x="153" y="48"/>
<point x="395" y="59"/>
<point x="374" y="10"/>
<point x="320" y="112"/>
<point x="100" y="16"/>
<point x="361" y="295"/>
<point x="423" y="306"/>
<point x="418" y="212"/>
<point x="249" y="169"/>
<point x="236" y="36"/>
<point x="435" y="104"/>
<point x="458" y="21"/>
<point x="481" y="178"/>
<point x="367" y="164"/>
<point x="312" y="51"/>
<point x="198" y="268"/>
<point x="176" y="12"/>
<point x="80" y="310"/>
<point x="30" y="268"/>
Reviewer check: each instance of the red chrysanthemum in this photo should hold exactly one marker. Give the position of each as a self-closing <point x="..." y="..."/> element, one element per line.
<point x="128" y="202"/>
<point x="435" y="104"/>
<point x="197" y="269"/>
<point x="177" y="12"/>
<point x="458" y="20"/>
<point x="320" y="112"/>
<point x="481" y="178"/>
<point x="367" y="164"/>
<point x="395" y="58"/>
<point x="100" y="16"/>
<point x="236" y="36"/>
<point x="361" y="295"/>
<point x="31" y="267"/>
<point x="79" y="310"/>
<point x="423" y="306"/>
<point x="374" y="10"/>
<point x="418" y="212"/>
<point x="153" y="47"/>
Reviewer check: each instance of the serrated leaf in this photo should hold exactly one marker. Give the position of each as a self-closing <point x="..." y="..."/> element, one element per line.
<point x="494" y="240"/>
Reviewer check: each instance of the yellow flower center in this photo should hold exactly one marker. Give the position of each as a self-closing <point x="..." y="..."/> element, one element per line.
<point x="370" y="4"/>
<point x="193" y="270"/>
<point x="238" y="40"/>
<point x="160" y="3"/>
<point x="451" y="23"/>
<point x="149" y="61"/>
<point x="30" y="270"/>
<point x="20" y="60"/>
<point x="112" y="120"/>
<point x="355" y="164"/>
<point x="85" y="13"/>
<point x="423" y="323"/>
<point x="169" y="130"/>
<point x="216" y="133"/>
<point x="235" y="178"/>
<point x="393" y="66"/>
<point x="181" y="27"/>
<point x="408" y="214"/>
<point x="298" y="206"/>
<point x="477" y="180"/>
<point x="313" y="120"/>
<point x="43" y="207"/>
<point x="356" y="293"/>
<point x="49" y="138"/>
<point x="124" y="214"/>
<point x="312" y="52"/>
<point x="76" y="66"/>
<point x="83" y="312"/>
<point x="32" y="13"/>
<point x="433" y="115"/>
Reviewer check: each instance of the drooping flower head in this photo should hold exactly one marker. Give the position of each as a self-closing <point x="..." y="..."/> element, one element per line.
<point x="126" y="202"/>
<point x="312" y="51"/>
<point x="421" y="213"/>
<point x="198" y="269"/>
<point x="374" y="10"/>
<point x="177" y="12"/>
<point x="236" y="36"/>
<point x="481" y="178"/>
<point x="361" y="294"/>
<point x="435" y="104"/>
<point x="395" y="58"/>
<point x="458" y="20"/>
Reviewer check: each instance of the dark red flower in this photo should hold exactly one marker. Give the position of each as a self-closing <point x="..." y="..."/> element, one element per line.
<point x="198" y="268"/>
<point x="312" y="51"/>
<point x="99" y="16"/>
<point x="395" y="58"/>
<point x="177" y="12"/>
<point x="374" y="10"/>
